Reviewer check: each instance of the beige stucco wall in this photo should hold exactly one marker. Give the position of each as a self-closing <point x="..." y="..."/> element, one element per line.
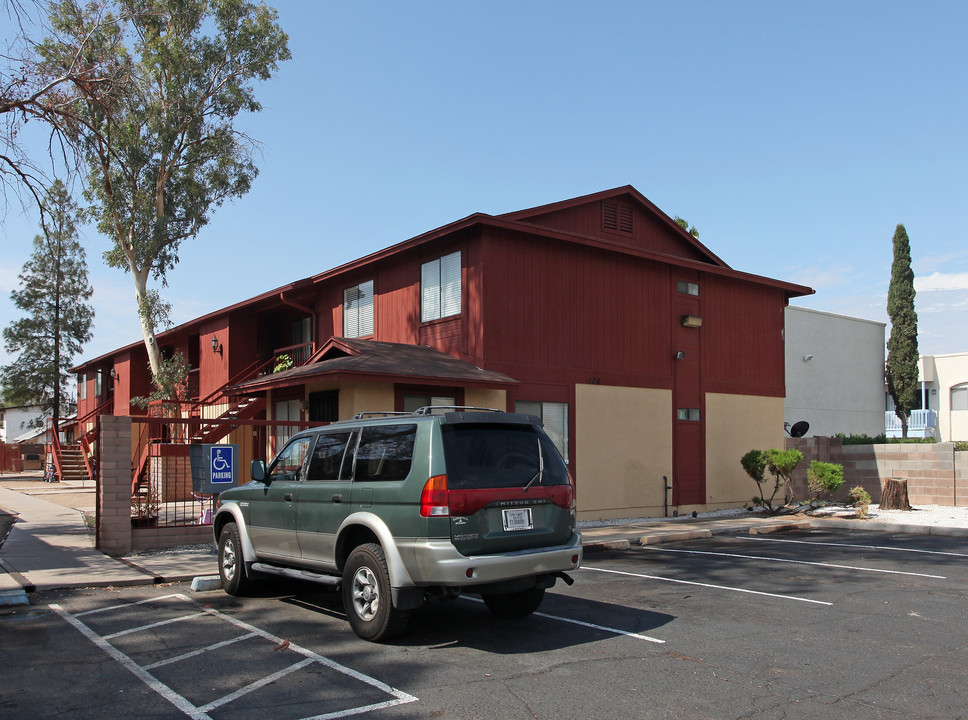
<point x="736" y="424"/>
<point x="357" y="397"/>
<point x="486" y="398"/>
<point x="623" y="449"/>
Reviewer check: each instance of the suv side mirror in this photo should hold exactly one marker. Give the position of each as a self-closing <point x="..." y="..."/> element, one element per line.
<point x="258" y="471"/>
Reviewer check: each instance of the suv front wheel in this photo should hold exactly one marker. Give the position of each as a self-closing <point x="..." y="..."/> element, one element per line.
<point x="366" y="595"/>
<point x="231" y="567"/>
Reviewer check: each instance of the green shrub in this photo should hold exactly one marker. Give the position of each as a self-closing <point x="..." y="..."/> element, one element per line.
<point x="882" y="439"/>
<point x="780" y="464"/>
<point x="824" y="477"/>
<point x="860" y="499"/>
<point x="961" y="445"/>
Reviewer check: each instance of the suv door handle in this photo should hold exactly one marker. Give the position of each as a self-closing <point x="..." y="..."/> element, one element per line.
<point x="288" y="497"/>
<point x="337" y="498"/>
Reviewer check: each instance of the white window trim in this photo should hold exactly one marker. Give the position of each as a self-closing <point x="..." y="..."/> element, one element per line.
<point x="441" y="288"/>
<point x="358" y="310"/>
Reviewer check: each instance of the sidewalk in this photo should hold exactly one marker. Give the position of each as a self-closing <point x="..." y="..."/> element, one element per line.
<point x="50" y="547"/>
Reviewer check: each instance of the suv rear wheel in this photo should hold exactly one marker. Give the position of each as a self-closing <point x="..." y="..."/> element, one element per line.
<point x="515" y="605"/>
<point x="366" y="595"/>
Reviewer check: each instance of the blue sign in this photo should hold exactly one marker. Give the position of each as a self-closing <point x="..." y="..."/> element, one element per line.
<point x="223" y="464"/>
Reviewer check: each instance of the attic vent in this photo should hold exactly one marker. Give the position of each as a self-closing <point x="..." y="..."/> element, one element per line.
<point x="617" y="217"/>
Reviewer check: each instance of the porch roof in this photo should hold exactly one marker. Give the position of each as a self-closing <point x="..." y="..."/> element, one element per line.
<point x="377" y="361"/>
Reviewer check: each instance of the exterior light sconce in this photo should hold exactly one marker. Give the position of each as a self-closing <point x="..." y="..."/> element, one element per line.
<point x="691" y="321"/>
<point x="114" y="375"/>
<point x="216" y="345"/>
<point x="807" y="358"/>
<point x="680" y="354"/>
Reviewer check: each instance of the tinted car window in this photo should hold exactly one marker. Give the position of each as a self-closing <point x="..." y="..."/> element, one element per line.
<point x="497" y="456"/>
<point x="328" y="457"/>
<point x="288" y="464"/>
<point x="385" y="452"/>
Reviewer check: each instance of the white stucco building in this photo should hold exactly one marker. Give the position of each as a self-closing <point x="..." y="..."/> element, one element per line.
<point x="834" y="372"/>
<point x="17" y="421"/>
<point x="942" y="411"/>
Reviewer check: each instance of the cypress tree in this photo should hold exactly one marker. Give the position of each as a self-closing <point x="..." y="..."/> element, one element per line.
<point x="902" y="347"/>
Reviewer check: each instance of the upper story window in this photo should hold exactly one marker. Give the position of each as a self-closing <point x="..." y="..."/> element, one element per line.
<point x="358" y="310"/>
<point x="82" y="387"/>
<point x="554" y="417"/>
<point x="617" y="217"/>
<point x="440" y="291"/>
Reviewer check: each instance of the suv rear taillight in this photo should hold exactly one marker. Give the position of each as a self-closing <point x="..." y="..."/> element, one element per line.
<point x="434" y="498"/>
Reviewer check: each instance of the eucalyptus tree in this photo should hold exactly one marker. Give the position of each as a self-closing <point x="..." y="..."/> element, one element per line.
<point x="162" y="150"/>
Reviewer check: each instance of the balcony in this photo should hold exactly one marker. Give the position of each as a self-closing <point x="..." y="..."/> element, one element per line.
<point x="921" y="423"/>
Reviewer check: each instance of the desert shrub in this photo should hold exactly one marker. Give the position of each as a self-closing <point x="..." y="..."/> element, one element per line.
<point x="961" y="445"/>
<point x="860" y="499"/>
<point x="824" y="477"/>
<point x="780" y="464"/>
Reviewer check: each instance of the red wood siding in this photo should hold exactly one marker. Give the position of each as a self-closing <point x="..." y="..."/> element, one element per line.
<point x="742" y="337"/>
<point x="557" y="312"/>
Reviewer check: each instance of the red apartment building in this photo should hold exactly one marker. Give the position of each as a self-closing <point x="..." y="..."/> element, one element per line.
<point x="654" y="365"/>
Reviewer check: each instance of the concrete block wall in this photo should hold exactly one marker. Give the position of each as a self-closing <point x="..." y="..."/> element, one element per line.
<point x="933" y="471"/>
<point x="114" y="486"/>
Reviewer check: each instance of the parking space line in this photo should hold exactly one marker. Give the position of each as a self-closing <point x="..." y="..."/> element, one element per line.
<point x="854" y="545"/>
<point x="160" y="623"/>
<point x="201" y="712"/>
<point x="615" y="631"/>
<point x="126" y="606"/>
<point x="707" y="585"/>
<point x="261" y="682"/>
<point x="196" y="653"/>
<point x="794" y="562"/>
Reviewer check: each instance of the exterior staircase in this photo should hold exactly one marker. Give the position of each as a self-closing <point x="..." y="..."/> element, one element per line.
<point x="241" y="408"/>
<point x="72" y="466"/>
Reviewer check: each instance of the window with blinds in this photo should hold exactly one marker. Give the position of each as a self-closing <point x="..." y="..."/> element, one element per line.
<point x="554" y="416"/>
<point x="440" y="291"/>
<point x="358" y="310"/>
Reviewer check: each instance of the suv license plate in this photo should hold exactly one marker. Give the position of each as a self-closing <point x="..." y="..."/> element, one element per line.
<point x="517" y="519"/>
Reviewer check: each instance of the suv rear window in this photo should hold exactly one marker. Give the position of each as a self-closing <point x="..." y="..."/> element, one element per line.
<point x="500" y="456"/>
<point x="385" y="452"/>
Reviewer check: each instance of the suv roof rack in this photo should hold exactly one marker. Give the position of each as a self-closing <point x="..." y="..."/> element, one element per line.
<point x="430" y="409"/>
<point x="375" y="413"/>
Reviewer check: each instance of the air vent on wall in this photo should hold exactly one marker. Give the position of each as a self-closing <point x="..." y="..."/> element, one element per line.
<point x="617" y="217"/>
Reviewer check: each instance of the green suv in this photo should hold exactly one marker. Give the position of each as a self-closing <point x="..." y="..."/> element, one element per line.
<point x="404" y="508"/>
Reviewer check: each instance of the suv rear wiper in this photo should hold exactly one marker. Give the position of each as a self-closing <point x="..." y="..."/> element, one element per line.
<point x="537" y="475"/>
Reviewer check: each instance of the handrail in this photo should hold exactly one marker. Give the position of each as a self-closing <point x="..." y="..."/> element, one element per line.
<point x="56" y="449"/>
<point x="249" y="371"/>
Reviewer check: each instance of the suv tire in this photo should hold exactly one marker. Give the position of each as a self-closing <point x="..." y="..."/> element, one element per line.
<point x="231" y="567"/>
<point x="515" y="605"/>
<point x="366" y="595"/>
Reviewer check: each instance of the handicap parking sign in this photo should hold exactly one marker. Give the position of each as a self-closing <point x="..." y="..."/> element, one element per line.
<point x="223" y="465"/>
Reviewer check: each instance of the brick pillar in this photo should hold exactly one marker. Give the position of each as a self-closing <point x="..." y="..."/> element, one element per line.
<point x="114" y="491"/>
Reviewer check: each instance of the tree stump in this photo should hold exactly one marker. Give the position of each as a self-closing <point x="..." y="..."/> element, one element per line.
<point x="894" y="495"/>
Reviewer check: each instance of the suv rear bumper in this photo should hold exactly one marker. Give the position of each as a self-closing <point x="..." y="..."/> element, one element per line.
<point x="437" y="562"/>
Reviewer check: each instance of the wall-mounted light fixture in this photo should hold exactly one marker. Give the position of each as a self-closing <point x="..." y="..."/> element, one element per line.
<point x="114" y="375"/>
<point x="680" y="354"/>
<point x="691" y="321"/>
<point x="216" y="345"/>
<point x="807" y="358"/>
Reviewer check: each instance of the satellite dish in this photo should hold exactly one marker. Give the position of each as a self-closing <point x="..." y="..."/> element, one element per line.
<point x="799" y="429"/>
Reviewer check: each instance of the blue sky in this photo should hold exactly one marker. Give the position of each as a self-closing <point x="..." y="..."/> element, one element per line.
<point x="794" y="136"/>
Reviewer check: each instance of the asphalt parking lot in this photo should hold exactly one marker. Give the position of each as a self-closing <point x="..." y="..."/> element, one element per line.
<point x="812" y="624"/>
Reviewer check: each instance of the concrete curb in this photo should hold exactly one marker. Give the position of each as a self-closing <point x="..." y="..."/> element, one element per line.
<point x="872" y="525"/>
<point x="666" y="535"/>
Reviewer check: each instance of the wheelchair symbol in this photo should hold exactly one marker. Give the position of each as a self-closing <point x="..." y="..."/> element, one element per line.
<point x="219" y="463"/>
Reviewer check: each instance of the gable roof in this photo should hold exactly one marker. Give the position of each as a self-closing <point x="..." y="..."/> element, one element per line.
<point x="541" y="214"/>
<point x="340" y="358"/>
